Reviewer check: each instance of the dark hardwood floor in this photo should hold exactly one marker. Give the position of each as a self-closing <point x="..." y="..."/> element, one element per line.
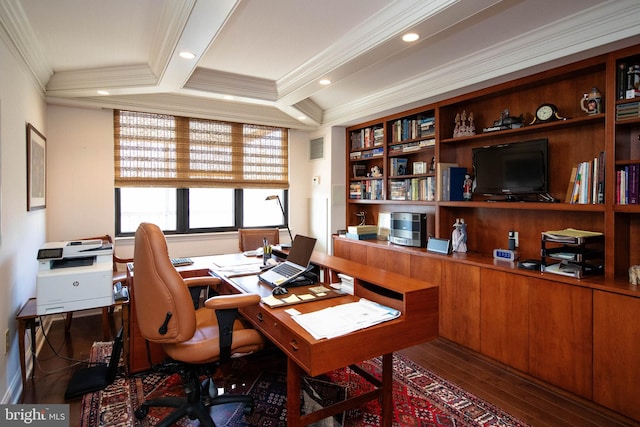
<point x="526" y="399"/>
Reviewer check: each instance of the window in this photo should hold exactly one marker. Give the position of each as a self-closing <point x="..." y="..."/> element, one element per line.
<point x="193" y="175"/>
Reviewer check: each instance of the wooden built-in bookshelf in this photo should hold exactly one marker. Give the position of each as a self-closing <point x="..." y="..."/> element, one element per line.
<point x="604" y="304"/>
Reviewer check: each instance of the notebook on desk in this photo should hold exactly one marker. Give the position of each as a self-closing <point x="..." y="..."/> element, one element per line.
<point x="296" y="264"/>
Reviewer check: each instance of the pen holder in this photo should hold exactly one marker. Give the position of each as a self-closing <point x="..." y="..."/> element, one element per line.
<point x="266" y="254"/>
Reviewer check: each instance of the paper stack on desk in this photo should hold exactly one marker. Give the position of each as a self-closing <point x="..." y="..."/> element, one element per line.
<point x="345" y="318"/>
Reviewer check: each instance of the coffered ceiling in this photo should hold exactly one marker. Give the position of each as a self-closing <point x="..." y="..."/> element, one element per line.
<point x="269" y="55"/>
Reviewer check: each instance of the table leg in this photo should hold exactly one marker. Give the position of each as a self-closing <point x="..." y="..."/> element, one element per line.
<point x="23" y="365"/>
<point x="387" y="389"/>
<point x="294" y="374"/>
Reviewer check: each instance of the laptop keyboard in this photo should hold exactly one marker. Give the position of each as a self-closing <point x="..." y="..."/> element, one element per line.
<point x="286" y="270"/>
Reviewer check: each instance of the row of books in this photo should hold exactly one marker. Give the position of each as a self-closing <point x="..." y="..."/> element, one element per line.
<point x="586" y="183"/>
<point x="413" y="189"/>
<point x="367" y="137"/>
<point x="369" y="190"/>
<point x="627" y="185"/>
<point x="630" y="110"/>
<point x="368" y="154"/>
<point x="411" y="146"/>
<point x="420" y="127"/>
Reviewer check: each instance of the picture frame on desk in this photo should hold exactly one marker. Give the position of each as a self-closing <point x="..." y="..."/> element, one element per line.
<point x="36" y="169"/>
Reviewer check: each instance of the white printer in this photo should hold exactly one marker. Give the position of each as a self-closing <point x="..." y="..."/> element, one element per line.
<point x="74" y="275"/>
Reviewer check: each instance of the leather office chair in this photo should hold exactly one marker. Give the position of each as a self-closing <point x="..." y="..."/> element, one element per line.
<point x="250" y="239"/>
<point x="196" y="341"/>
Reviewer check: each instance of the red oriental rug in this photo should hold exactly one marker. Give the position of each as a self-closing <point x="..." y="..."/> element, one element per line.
<point x="420" y="397"/>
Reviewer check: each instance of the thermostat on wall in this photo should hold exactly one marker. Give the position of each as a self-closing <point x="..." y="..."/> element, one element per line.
<point x="504" y="254"/>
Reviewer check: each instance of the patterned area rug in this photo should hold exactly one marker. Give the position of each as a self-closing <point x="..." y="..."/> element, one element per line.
<point x="420" y="397"/>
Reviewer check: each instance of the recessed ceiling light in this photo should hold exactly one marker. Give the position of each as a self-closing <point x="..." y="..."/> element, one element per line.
<point x="187" y="55"/>
<point x="325" y="82"/>
<point x="103" y="92"/>
<point x="410" y="37"/>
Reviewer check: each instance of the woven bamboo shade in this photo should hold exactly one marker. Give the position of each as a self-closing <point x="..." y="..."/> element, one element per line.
<point x="158" y="150"/>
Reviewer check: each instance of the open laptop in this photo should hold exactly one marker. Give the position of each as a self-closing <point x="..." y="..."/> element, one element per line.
<point x="296" y="264"/>
<point x="94" y="378"/>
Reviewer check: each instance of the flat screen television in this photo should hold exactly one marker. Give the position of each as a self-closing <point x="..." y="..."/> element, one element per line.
<point x="518" y="168"/>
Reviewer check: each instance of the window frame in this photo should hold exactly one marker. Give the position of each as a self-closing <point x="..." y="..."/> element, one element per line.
<point x="182" y="215"/>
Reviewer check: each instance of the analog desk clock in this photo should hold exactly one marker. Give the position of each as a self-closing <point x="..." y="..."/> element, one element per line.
<point x="546" y="113"/>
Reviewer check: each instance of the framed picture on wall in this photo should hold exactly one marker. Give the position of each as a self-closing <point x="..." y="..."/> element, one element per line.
<point x="36" y="169"/>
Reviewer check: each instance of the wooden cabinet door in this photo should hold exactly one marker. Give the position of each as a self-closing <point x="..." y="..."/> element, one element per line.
<point x="390" y="260"/>
<point x="504" y="319"/>
<point x="341" y="248"/>
<point x="560" y="335"/>
<point x="426" y="268"/>
<point x="460" y="304"/>
<point x="616" y="346"/>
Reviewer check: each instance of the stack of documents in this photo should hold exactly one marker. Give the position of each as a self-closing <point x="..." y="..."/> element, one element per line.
<point x="345" y="318"/>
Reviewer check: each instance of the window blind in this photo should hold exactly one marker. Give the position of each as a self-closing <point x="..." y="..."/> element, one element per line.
<point x="158" y="150"/>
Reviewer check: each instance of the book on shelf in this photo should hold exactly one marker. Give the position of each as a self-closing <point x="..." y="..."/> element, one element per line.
<point x="452" y="183"/>
<point x="362" y="229"/>
<point x="628" y="185"/>
<point x="440" y="169"/>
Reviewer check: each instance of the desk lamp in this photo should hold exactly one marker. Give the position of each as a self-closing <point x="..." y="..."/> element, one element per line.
<point x="276" y="197"/>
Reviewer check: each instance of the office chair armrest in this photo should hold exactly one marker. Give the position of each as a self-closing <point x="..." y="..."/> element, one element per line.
<point x="210" y="281"/>
<point x="223" y="302"/>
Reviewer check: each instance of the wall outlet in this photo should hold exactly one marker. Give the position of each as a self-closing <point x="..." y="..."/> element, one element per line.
<point x="316" y="180"/>
<point x="7" y="341"/>
<point x="513" y="239"/>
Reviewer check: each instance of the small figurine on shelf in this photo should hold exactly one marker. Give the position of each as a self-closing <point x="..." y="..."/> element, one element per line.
<point x="464" y="126"/>
<point x="467" y="187"/>
<point x="459" y="236"/>
<point x="363" y="217"/>
<point x="376" y="171"/>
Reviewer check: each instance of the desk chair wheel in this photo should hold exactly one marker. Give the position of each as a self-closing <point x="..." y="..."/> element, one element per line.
<point x="141" y="412"/>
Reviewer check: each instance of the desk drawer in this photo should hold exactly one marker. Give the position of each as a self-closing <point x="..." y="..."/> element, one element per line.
<point x="297" y="348"/>
<point x="264" y="323"/>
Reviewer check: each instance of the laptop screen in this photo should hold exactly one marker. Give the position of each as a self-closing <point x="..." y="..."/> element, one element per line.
<point x="301" y="250"/>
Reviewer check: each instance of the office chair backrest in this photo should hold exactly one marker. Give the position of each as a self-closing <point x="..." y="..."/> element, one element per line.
<point x="164" y="308"/>
<point x="250" y="239"/>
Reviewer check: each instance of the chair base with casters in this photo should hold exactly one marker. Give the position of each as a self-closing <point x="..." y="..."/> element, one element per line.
<point x="198" y="398"/>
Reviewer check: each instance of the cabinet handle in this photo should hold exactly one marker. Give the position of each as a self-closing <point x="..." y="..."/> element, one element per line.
<point x="260" y="319"/>
<point x="294" y="345"/>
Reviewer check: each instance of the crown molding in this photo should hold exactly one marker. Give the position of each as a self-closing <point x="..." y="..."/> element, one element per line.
<point x="86" y="82"/>
<point x="176" y="104"/>
<point x="380" y="32"/>
<point x="223" y="83"/>
<point x="595" y="27"/>
<point x="22" y="38"/>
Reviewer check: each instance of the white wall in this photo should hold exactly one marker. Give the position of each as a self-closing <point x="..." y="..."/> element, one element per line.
<point x="81" y="181"/>
<point x="328" y="194"/>
<point x="21" y="232"/>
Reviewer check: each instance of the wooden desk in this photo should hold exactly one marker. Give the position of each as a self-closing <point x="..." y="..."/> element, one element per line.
<point x="28" y="317"/>
<point x="416" y="299"/>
